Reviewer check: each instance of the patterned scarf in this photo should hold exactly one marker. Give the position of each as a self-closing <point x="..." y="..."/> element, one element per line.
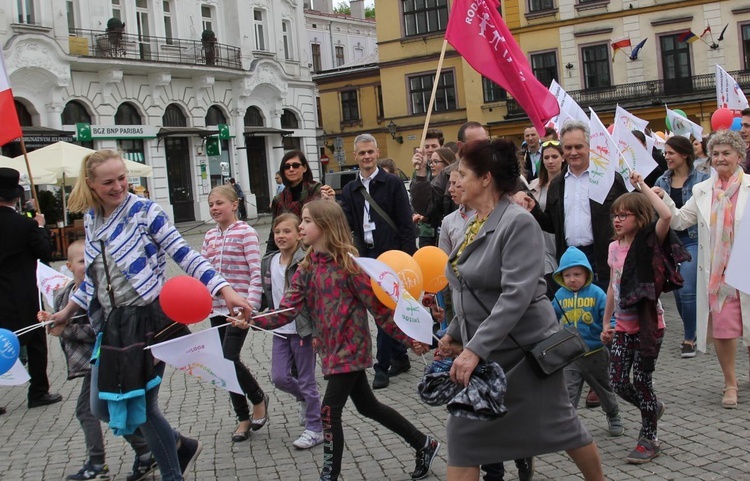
<point x="722" y="238"/>
<point x="284" y="201"/>
<point x="471" y="232"/>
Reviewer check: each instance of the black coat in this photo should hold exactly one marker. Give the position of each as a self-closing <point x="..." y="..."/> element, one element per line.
<point x="22" y="242"/>
<point x="553" y="220"/>
<point x="390" y="194"/>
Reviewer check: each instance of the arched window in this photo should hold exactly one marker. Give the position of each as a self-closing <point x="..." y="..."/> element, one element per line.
<point x="75" y="113"/>
<point x="215" y="116"/>
<point x="127" y="114"/>
<point x="289" y="120"/>
<point x="173" y="117"/>
<point x="253" y="117"/>
<point x="24" y="116"/>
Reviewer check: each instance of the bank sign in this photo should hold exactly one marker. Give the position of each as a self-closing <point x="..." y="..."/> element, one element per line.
<point x="87" y="132"/>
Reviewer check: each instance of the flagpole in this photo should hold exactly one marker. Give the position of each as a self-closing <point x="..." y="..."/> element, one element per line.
<point x="434" y="92"/>
<point x="31" y="176"/>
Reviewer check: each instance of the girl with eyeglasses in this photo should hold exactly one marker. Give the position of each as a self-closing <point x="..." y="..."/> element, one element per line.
<point x="299" y="189"/>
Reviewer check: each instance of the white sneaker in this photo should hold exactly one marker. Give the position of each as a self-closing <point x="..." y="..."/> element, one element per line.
<point x="302" y="413"/>
<point x="308" y="440"/>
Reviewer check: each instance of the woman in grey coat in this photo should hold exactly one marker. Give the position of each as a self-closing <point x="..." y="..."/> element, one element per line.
<point x="504" y="240"/>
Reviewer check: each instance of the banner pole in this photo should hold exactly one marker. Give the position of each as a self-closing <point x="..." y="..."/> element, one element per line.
<point x="31" y="176"/>
<point x="434" y="92"/>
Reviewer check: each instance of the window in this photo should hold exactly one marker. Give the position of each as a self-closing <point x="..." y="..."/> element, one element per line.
<point x="319" y="112"/>
<point x="215" y="116"/>
<point x="70" y="9"/>
<point x="675" y="63"/>
<point x="420" y="89"/>
<point x="75" y="113"/>
<point x="116" y="12"/>
<point x="24" y="116"/>
<point x="315" y="48"/>
<point x="207" y="18"/>
<point x="540" y="5"/>
<point x="127" y="114"/>
<point x="746" y="45"/>
<point x="339" y="55"/>
<point x="424" y="16"/>
<point x="596" y="66"/>
<point x="286" y="36"/>
<point x="26" y="11"/>
<point x="253" y="117"/>
<point x="173" y="117"/>
<point x="168" y="33"/>
<point x="260" y="29"/>
<point x="349" y="106"/>
<point x="289" y="119"/>
<point x="544" y="67"/>
<point x="379" y="93"/>
<point x="492" y="92"/>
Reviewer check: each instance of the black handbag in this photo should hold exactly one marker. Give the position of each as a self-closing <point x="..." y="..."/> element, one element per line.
<point x="549" y="355"/>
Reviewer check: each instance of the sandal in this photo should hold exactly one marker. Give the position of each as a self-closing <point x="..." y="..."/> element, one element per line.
<point x="729" y="401"/>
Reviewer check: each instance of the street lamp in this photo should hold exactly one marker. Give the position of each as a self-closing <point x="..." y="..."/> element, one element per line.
<point x="393" y="130"/>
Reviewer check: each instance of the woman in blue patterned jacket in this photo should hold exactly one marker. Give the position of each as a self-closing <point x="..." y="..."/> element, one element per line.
<point x="134" y="234"/>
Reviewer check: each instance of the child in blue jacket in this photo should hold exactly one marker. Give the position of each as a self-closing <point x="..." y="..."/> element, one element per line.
<point x="580" y="304"/>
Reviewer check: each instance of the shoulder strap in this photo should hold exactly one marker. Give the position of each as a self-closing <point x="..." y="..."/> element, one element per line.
<point x="110" y="291"/>
<point x="484" y="307"/>
<point x="377" y="208"/>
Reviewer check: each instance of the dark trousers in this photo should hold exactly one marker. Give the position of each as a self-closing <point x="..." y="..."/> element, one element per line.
<point x="36" y="349"/>
<point x="354" y="385"/>
<point x="589" y="252"/>
<point x="388" y="350"/>
<point x="241" y="209"/>
<point x="232" y="339"/>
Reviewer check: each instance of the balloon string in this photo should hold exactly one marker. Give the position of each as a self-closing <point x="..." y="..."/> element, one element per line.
<point x="26" y="329"/>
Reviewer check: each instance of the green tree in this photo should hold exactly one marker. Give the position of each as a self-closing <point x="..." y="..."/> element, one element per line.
<point x="370" y="12"/>
<point x="344" y="8"/>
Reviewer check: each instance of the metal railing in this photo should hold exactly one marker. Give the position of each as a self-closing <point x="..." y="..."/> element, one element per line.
<point x="125" y="46"/>
<point x="654" y="92"/>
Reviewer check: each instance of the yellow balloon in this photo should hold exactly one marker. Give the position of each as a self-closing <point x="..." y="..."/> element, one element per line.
<point x="408" y="272"/>
<point x="432" y="260"/>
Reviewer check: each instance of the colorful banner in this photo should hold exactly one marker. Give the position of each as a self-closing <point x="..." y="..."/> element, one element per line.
<point x="631" y="122"/>
<point x="729" y="95"/>
<point x="604" y="158"/>
<point x="634" y="156"/>
<point x="48" y="280"/>
<point x="683" y="126"/>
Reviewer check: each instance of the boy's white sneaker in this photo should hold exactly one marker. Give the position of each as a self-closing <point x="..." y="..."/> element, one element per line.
<point x="308" y="440"/>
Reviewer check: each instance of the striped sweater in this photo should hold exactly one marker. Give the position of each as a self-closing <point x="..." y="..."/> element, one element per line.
<point x="235" y="254"/>
<point x="137" y="235"/>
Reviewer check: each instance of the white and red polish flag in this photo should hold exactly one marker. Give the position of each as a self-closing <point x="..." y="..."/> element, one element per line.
<point x="477" y="31"/>
<point x="10" y="128"/>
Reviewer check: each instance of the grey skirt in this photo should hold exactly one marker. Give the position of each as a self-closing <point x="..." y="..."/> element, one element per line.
<point x="540" y="420"/>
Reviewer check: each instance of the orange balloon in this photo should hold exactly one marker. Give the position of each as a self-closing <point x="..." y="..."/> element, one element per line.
<point x="661" y="135"/>
<point x="432" y="260"/>
<point x="409" y="273"/>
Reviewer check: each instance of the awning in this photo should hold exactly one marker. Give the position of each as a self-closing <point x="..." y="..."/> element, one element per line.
<point x="134" y="156"/>
<point x="253" y="131"/>
<point x="185" y="132"/>
<point x="37" y="131"/>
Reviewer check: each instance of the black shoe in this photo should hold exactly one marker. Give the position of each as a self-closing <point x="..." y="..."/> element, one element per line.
<point x="398" y="367"/>
<point x="380" y="381"/>
<point x="141" y="469"/>
<point x="2" y="411"/>
<point x="187" y="453"/>
<point x="240" y="436"/>
<point x="493" y="472"/>
<point x="525" y="469"/>
<point x="425" y="456"/>
<point x="256" y="424"/>
<point x="45" y="400"/>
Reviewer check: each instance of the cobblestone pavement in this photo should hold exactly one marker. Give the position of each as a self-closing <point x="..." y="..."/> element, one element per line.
<point x="700" y="440"/>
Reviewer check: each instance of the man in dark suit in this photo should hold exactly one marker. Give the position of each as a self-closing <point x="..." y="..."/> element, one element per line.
<point x="22" y="242"/>
<point x="575" y="219"/>
<point x="375" y="234"/>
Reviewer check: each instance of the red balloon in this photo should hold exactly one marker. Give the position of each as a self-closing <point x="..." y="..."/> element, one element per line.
<point x="722" y="119"/>
<point x="185" y="300"/>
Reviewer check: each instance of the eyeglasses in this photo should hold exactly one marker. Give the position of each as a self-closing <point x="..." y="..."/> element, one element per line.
<point x="622" y="216"/>
<point x="550" y="142"/>
<point x="292" y="165"/>
<point x="435" y="162"/>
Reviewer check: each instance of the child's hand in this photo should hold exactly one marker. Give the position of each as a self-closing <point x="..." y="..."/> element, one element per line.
<point x="420" y="348"/>
<point x="55" y="329"/>
<point x="43" y="316"/>
<point x="607" y="335"/>
<point x="635" y="178"/>
<point x="438" y="313"/>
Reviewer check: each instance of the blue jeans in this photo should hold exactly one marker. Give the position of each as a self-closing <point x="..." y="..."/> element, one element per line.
<point x="685" y="297"/>
<point x="161" y="438"/>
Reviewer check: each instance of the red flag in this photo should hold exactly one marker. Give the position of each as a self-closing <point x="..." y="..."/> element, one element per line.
<point x="708" y="29"/>
<point x="477" y="31"/>
<point x="10" y="128"/>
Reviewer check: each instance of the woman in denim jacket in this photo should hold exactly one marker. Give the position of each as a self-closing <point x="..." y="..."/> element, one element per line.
<point x="677" y="182"/>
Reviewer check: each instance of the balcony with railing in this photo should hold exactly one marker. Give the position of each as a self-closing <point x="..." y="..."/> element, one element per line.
<point x="644" y="94"/>
<point x="118" y="45"/>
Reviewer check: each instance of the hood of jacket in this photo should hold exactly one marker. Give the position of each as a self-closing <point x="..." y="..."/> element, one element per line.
<point x="573" y="257"/>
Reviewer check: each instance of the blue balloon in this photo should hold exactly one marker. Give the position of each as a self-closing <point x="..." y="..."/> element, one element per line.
<point x="736" y="124"/>
<point x="9" y="350"/>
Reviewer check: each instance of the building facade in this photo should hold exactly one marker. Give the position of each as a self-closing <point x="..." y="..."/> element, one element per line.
<point x="565" y="40"/>
<point x="158" y="80"/>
